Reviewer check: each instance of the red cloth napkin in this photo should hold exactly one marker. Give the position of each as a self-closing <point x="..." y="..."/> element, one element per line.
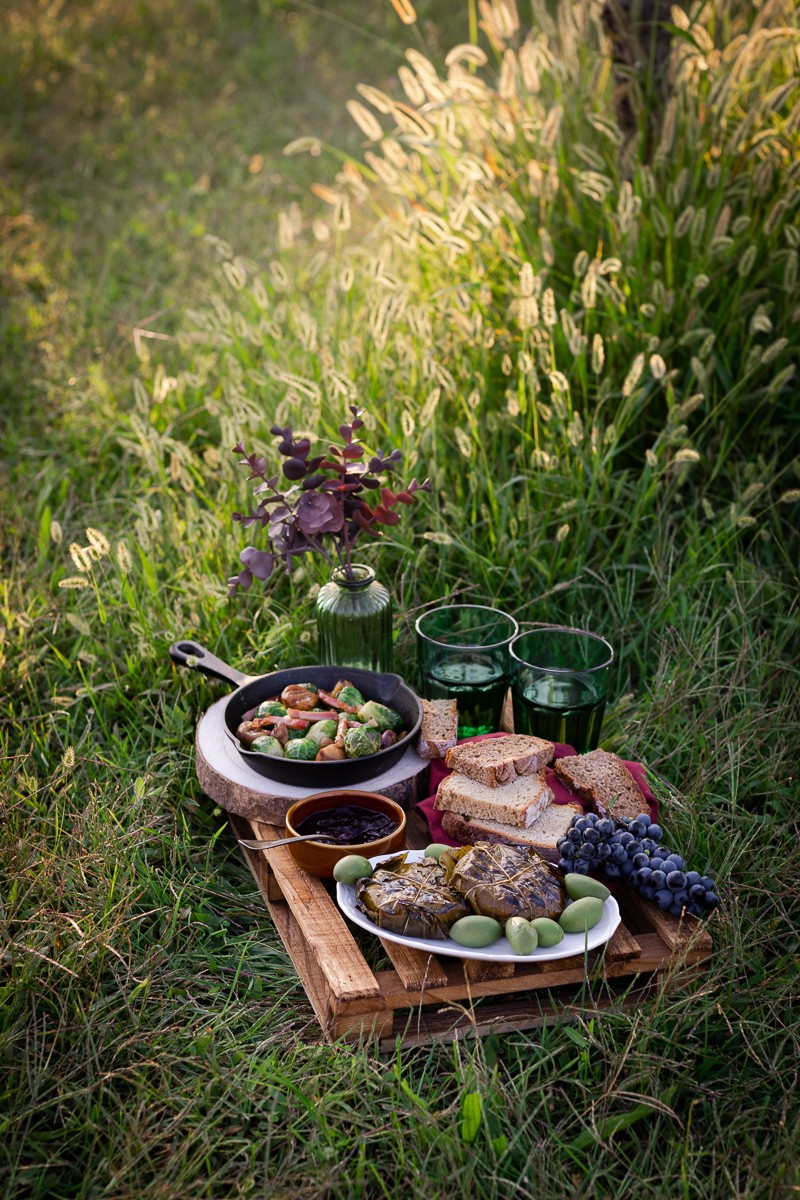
<point x="561" y="793"/>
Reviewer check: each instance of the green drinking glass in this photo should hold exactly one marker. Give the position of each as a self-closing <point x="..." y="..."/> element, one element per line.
<point x="463" y="655"/>
<point x="559" y="684"/>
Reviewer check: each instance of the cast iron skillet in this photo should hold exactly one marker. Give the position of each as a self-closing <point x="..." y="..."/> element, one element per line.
<point x="251" y="690"/>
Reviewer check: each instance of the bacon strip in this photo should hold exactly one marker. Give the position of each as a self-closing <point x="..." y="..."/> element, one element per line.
<point x="341" y="729"/>
<point x="338" y="704"/>
<point x="295" y="719"/>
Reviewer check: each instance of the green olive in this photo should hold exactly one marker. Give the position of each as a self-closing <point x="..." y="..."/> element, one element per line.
<point x="352" y="868"/>
<point x="583" y="885"/>
<point x="475" y="931"/>
<point x="522" y="937"/>
<point x="549" y="932"/>
<point x="581" y="915"/>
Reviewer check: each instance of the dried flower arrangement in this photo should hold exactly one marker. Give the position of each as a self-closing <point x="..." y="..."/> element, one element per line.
<point x="326" y="506"/>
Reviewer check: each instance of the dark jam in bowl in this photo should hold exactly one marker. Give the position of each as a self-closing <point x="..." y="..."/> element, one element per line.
<point x="349" y="824"/>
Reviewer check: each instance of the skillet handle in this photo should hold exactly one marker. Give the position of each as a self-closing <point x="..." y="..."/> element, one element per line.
<point x="198" y="658"/>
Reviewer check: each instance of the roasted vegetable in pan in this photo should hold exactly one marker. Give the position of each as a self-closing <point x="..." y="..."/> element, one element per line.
<point x="338" y="724"/>
<point x="331" y="753"/>
<point x="323" y="733"/>
<point x="348" y="694"/>
<point x="302" y="748"/>
<point x="380" y="716"/>
<point x="504" y="881"/>
<point x="251" y="731"/>
<point x="303" y="696"/>
<point x="361" y="740"/>
<point x="266" y="744"/>
<point x="410" y="898"/>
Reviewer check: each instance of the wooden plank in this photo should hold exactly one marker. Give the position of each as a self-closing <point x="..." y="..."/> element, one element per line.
<point x="264" y="877"/>
<point x="338" y="958"/>
<point x="448" y="1024"/>
<point x="417" y="969"/>
<point x="336" y="1020"/>
<point x="476" y="971"/>
<point x="571" y="972"/>
<point x="622" y="945"/>
<point x="679" y="934"/>
<point x="656" y="954"/>
<point x="321" y="1000"/>
<point x="325" y="1002"/>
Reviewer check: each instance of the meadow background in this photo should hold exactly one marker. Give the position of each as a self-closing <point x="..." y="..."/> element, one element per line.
<point x="587" y="338"/>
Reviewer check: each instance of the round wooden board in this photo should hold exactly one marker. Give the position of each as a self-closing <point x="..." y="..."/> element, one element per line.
<point x="226" y="778"/>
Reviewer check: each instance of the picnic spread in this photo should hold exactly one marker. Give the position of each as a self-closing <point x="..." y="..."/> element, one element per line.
<point x="508" y="837"/>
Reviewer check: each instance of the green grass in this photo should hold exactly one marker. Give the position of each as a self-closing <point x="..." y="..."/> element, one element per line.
<point x="155" y="1039"/>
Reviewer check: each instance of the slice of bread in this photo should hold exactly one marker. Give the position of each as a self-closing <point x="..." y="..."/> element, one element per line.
<point x="517" y="803"/>
<point x="603" y="782"/>
<point x="439" y="729"/>
<point x="500" y="760"/>
<point x="551" y="824"/>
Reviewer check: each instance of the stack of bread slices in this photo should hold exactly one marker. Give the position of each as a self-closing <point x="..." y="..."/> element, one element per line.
<point x="497" y="792"/>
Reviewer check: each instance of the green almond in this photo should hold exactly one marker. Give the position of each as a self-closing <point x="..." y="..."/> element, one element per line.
<point x="475" y="931"/>
<point x="351" y="868"/>
<point x="582" y="915"/>
<point x="522" y="937"/>
<point x="434" y="850"/>
<point x="583" y="885"/>
<point x="548" y="932"/>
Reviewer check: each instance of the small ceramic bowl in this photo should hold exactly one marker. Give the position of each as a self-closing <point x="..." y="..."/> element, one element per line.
<point x="319" y="858"/>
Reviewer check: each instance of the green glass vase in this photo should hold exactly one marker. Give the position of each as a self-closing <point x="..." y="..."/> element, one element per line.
<point x="354" y="620"/>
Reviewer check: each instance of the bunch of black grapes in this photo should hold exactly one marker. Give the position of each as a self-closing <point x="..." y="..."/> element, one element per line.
<point x="630" y="849"/>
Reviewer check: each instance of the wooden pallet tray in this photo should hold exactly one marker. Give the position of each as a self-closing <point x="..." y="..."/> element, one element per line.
<point x="421" y="996"/>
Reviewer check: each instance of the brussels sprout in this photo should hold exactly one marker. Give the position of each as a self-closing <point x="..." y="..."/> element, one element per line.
<point x="321" y="730"/>
<point x="266" y="744"/>
<point x="349" y="694"/>
<point x="294" y="735"/>
<point x="271" y="708"/>
<point x="362" y="740"/>
<point x="302" y="748"/>
<point x="383" y="717"/>
<point x="341" y="683"/>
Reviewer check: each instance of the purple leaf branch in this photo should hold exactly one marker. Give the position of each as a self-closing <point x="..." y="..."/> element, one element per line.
<point x="325" y="505"/>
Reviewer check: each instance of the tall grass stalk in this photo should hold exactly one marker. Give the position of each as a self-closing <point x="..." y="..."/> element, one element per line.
<point x="592" y="356"/>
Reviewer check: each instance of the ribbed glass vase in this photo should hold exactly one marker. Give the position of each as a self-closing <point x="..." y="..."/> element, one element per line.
<point x="354" y="620"/>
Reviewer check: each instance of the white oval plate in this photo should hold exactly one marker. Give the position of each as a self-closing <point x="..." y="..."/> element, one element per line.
<point x="500" y="951"/>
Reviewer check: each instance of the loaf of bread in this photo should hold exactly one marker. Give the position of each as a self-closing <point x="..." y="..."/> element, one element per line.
<point x="551" y="824"/>
<point x="603" y="782"/>
<point x="497" y="761"/>
<point x="518" y="803"/>
<point x="439" y="729"/>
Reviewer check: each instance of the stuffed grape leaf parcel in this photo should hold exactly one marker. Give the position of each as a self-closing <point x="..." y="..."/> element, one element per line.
<point x="410" y="898"/>
<point x="503" y="881"/>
